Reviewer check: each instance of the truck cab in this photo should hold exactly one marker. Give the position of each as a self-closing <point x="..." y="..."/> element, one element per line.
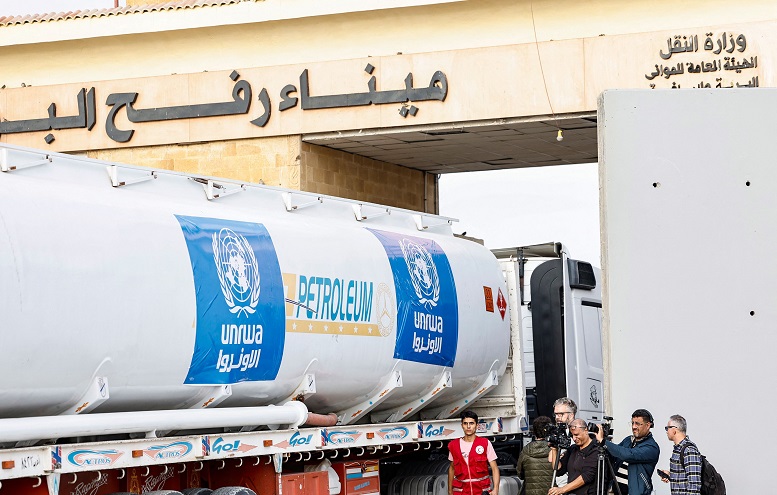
<point x="556" y="303"/>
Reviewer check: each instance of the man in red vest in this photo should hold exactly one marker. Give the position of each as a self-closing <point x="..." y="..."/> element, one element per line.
<point x="470" y="458"/>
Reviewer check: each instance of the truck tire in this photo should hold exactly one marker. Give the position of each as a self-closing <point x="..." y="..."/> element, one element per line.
<point x="163" y="492"/>
<point x="234" y="490"/>
<point x="197" y="491"/>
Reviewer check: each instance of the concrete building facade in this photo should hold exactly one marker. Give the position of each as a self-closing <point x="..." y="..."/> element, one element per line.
<point x="359" y="99"/>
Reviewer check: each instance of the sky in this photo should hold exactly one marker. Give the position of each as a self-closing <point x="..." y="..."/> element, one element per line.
<point x="518" y="207"/>
<point x="505" y="208"/>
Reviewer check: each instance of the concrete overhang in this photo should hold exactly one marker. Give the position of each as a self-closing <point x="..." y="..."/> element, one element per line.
<point x="474" y="146"/>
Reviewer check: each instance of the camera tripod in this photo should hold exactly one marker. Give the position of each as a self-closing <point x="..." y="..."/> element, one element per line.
<point x="602" y="462"/>
<point x="561" y="451"/>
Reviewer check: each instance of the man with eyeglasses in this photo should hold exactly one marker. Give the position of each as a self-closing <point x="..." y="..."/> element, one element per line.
<point x="636" y="456"/>
<point x="685" y="464"/>
<point x="564" y="411"/>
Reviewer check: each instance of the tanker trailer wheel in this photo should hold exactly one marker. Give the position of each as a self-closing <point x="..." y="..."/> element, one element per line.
<point x="163" y="492"/>
<point x="234" y="490"/>
<point x="197" y="491"/>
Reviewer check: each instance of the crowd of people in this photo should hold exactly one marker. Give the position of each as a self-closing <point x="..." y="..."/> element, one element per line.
<point x="549" y="469"/>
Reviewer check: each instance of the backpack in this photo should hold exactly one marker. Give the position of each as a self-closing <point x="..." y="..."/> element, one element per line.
<point x="711" y="481"/>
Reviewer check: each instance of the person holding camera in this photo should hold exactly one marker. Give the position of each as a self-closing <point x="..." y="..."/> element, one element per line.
<point x="564" y="411"/>
<point x="470" y="457"/>
<point x="579" y="462"/>
<point x="533" y="466"/>
<point x="636" y="456"/>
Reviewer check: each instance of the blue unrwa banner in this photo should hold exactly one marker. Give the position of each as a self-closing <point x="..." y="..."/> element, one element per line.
<point x="427" y="308"/>
<point x="240" y="308"/>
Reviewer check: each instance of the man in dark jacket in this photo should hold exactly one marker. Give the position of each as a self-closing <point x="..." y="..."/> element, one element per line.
<point x="533" y="466"/>
<point x="636" y="456"/>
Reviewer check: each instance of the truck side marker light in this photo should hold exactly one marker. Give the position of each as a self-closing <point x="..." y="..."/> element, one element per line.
<point x="370" y="435"/>
<point x="267" y="443"/>
<point x="137" y="453"/>
<point x="8" y="464"/>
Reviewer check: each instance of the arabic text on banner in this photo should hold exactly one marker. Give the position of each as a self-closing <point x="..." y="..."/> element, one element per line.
<point x="240" y="310"/>
<point x="427" y="308"/>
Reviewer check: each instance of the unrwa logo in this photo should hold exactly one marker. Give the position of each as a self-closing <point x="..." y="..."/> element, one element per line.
<point x="238" y="271"/>
<point x="423" y="272"/>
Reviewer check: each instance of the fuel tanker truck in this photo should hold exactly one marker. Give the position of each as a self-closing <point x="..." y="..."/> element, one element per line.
<point x="164" y="333"/>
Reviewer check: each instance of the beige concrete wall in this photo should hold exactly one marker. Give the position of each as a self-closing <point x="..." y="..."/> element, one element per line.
<point x="336" y="173"/>
<point x="272" y="161"/>
<point x="244" y="35"/>
<point x="288" y="162"/>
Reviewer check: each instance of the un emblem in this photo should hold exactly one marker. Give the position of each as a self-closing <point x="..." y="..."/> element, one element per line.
<point x="238" y="271"/>
<point x="423" y="272"/>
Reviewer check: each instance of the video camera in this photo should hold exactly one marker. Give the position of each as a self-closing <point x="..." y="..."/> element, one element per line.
<point x="558" y="436"/>
<point x="606" y="427"/>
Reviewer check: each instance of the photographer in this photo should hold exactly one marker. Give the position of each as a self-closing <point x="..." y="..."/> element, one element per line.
<point x="533" y="466"/>
<point x="579" y="461"/>
<point x="636" y="456"/>
<point x="564" y="411"/>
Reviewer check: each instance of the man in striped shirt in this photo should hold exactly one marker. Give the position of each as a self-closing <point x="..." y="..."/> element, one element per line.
<point x="685" y="464"/>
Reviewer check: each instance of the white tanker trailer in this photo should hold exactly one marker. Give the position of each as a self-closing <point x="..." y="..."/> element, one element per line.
<point x="128" y="294"/>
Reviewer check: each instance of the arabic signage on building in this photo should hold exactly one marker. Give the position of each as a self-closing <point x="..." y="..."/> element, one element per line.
<point x="524" y="80"/>
<point x="188" y="108"/>
<point x="720" y="60"/>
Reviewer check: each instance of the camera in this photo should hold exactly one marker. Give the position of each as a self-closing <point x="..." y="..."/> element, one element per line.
<point x="558" y="436"/>
<point x="606" y="427"/>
